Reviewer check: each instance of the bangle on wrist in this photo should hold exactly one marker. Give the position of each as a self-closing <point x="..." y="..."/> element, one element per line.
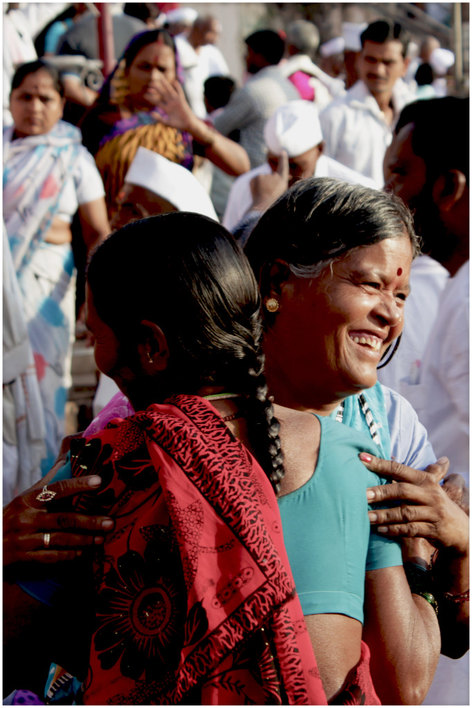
<point x="429" y="597"/>
<point x="420" y="581"/>
<point x="456" y="598"/>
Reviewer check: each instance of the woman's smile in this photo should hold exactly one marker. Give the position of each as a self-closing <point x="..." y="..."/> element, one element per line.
<point x="331" y="331"/>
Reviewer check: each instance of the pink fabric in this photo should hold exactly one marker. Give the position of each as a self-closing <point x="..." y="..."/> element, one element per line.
<point x="301" y="81"/>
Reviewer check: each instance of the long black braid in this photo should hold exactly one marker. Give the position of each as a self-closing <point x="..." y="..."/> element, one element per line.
<point x="187" y="274"/>
<point x="263" y="426"/>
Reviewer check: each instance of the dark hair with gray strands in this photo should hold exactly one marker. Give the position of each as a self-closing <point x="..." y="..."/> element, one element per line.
<point x="304" y="36"/>
<point x="320" y="219"/>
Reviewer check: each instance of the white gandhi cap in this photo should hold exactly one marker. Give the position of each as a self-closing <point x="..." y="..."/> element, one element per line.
<point x="352" y="35"/>
<point x="182" y="15"/>
<point x="332" y="46"/>
<point x="294" y="127"/>
<point x="441" y="60"/>
<point x="171" y="181"/>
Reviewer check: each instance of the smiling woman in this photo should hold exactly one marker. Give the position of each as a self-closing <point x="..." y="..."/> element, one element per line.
<point x="333" y="263"/>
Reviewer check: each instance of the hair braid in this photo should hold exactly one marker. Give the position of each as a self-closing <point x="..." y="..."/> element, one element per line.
<point x="263" y="426"/>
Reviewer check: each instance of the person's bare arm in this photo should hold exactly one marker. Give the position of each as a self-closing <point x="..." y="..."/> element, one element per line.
<point x="226" y="154"/>
<point x="402" y="632"/>
<point x="94" y="222"/>
<point x="336" y="641"/>
<point x="265" y="189"/>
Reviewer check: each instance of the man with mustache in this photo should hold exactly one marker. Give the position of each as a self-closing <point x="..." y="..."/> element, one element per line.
<point x="357" y="127"/>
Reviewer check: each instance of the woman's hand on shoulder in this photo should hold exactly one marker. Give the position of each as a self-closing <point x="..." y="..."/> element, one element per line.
<point x="38" y="531"/>
<point x="425" y="509"/>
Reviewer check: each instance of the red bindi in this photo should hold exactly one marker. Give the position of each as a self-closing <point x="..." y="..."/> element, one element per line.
<point x="399" y="271"/>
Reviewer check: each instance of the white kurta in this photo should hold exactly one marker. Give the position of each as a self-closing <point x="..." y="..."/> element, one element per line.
<point x="441" y="398"/>
<point x="355" y="130"/>
<point x="427" y="280"/>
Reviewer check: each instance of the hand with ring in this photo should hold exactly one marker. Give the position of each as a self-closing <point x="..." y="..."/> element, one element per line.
<point x="33" y="530"/>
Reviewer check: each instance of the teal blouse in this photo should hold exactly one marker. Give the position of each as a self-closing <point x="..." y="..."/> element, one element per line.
<point x="326" y="527"/>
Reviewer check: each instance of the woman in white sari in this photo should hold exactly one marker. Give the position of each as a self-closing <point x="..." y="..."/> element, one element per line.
<point x="48" y="175"/>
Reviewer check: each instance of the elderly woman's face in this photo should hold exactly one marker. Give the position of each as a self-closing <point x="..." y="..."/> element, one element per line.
<point x="151" y="64"/>
<point x="330" y="332"/>
<point x="36" y="105"/>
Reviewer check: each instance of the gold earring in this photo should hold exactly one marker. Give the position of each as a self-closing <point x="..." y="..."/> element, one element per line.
<point x="272" y="304"/>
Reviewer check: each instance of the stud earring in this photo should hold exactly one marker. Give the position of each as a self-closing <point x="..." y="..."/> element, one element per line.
<point x="272" y="304"/>
<point x="149" y="358"/>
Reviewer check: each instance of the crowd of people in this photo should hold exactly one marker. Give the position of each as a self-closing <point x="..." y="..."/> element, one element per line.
<point x="270" y="504"/>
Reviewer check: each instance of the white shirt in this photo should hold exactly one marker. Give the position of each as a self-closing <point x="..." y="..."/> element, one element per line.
<point x="427" y="280"/>
<point x="197" y="67"/>
<point x="355" y="130"/>
<point x="240" y="196"/>
<point x="441" y="398"/>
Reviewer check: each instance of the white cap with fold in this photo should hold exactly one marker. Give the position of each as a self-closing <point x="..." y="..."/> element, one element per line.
<point x="171" y="181"/>
<point x="441" y="60"/>
<point x="182" y="15"/>
<point x="352" y="35"/>
<point x="293" y="127"/>
<point x="332" y="46"/>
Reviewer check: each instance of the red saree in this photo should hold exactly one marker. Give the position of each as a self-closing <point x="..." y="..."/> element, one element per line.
<point x="195" y="598"/>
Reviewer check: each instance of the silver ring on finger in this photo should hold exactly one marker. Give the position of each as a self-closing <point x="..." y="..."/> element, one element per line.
<point x="46" y="539"/>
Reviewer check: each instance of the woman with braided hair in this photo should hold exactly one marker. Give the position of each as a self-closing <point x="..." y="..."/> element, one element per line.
<point x="187" y="583"/>
<point x="192" y="599"/>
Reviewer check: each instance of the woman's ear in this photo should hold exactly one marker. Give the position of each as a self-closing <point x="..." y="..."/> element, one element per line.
<point x="449" y="188"/>
<point x="273" y="278"/>
<point x="153" y="348"/>
<point x="275" y="285"/>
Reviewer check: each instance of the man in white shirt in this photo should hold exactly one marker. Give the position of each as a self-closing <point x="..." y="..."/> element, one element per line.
<point x="200" y="59"/>
<point x="293" y="128"/>
<point x="267" y="88"/>
<point x="427" y="166"/>
<point x="357" y="127"/>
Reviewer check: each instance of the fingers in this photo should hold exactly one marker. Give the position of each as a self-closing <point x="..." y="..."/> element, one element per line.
<point x="398" y="472"/>
<point x="93" y="524"/>
<point x="399" y="491"/>
<point x="64" y="488"/>
<point x="457" y="490"/>
<point x="283" y="167"/>
<point x="405" y="514"/>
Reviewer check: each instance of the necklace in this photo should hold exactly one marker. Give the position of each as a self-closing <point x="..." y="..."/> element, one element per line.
<point x="222" y="396"/>
<point x="218" y="396"/>
<point x="233" y="416"/>
<point x="369" y="418"/>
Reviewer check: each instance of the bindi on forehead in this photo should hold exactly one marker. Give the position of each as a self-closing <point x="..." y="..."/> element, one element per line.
<point x="399" y="271"/>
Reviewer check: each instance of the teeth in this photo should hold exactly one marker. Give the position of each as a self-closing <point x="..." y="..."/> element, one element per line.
<point x="370" y="341"/>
